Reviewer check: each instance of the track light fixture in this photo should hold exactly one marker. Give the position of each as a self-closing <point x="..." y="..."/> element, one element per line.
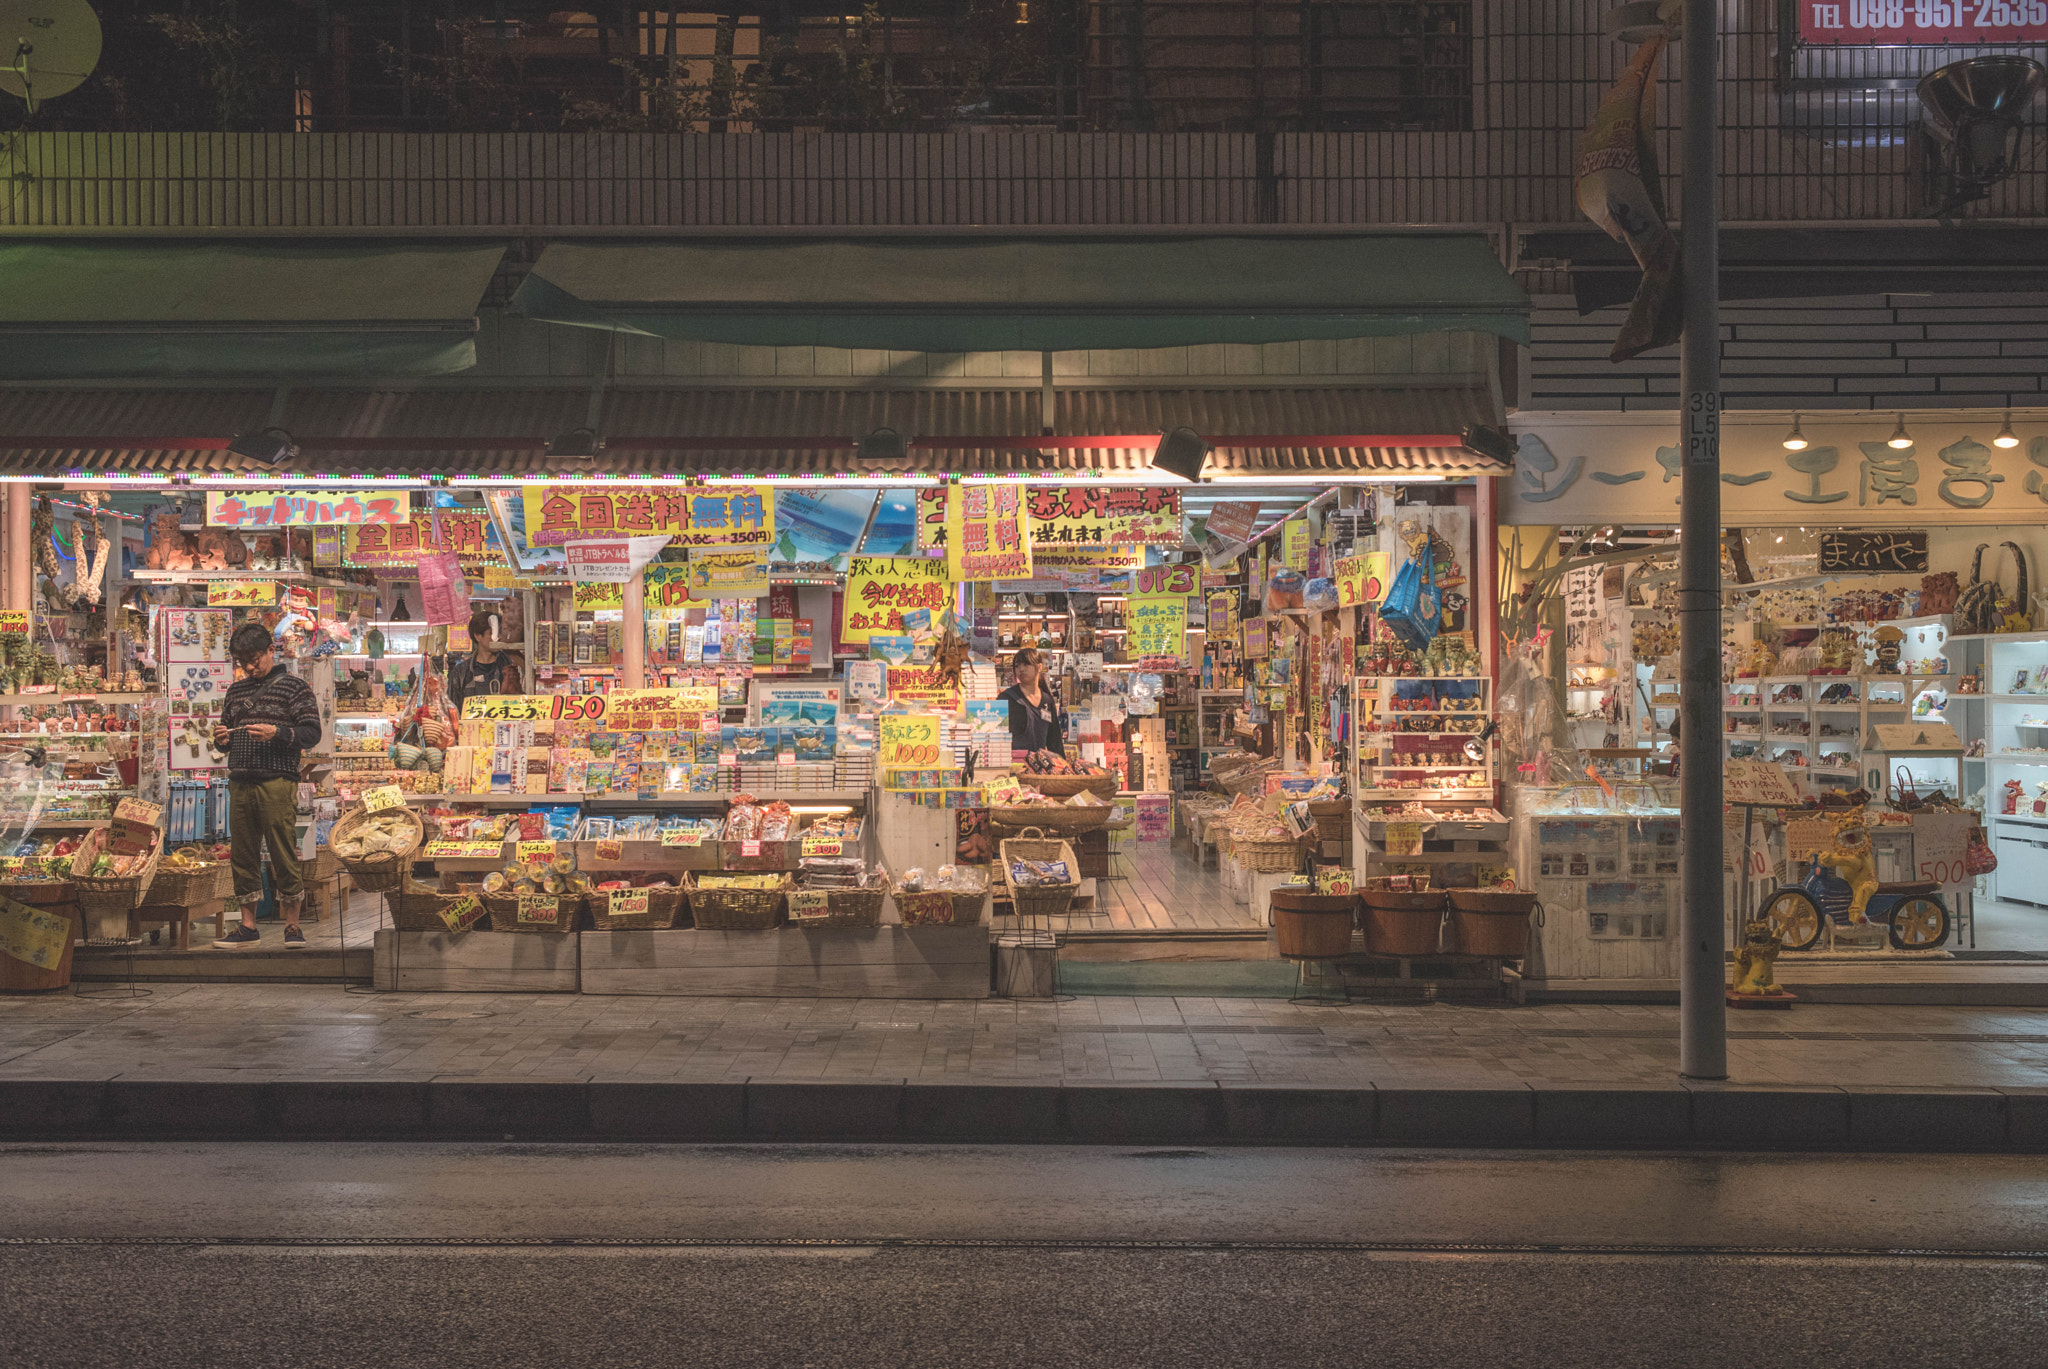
<point x="1795" y="441"/>
<point x="2006" y="436"/>
<point x="1900" y="438"/>
<point x="265" y="447"/>
<point x="1181" y="452"/>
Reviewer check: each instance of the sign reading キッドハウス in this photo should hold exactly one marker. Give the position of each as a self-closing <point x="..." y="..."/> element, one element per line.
<point x="691" y="516"/>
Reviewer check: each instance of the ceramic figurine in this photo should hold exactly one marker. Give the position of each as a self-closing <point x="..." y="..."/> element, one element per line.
<point x="1851" y="857"/>
<point x="1755" y="959"/>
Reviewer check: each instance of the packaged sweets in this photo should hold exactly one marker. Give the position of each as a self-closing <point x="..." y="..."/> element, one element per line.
<point x="1029" y="874"/>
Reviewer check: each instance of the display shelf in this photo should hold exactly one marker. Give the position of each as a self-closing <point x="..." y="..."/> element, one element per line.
<point x="58" y="697"/>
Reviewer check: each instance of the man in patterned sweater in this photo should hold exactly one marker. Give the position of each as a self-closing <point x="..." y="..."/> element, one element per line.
<point x="268" y="717"/>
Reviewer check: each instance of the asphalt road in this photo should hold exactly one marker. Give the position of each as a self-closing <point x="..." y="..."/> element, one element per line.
<point x="788" y="1256"/>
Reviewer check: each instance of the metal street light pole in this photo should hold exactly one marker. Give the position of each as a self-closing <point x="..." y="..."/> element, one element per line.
<point x="1702" y="1012"/>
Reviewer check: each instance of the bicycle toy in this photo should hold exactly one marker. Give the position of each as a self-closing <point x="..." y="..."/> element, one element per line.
<point x="1913" y="914"/>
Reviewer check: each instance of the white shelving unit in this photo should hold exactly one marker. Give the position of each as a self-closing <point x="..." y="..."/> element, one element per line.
<point x="2013" y="720"/>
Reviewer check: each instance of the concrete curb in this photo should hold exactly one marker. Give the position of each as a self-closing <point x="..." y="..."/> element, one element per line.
<point x="1565" y="1116"/>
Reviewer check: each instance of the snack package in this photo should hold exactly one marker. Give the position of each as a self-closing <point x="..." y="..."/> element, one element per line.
<point x="1029" y="874"/>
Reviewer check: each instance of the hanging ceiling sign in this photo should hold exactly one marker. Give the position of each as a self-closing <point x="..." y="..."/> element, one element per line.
<point x="1157" y="625"/>
<point x="468" y="535"/>
<point x="692" y="516"/>
<point x="612" y="562"/>
<point x="881" y="589"/>
<point x="1574" y="469"/>
<point x="1235" y="521"/>
<point x="985" y="534"/>
<point x="1080" y="515"/>
<point x="931" y="504"/>
<point x="305" y="508"/>
<point x="1922" y="23"/>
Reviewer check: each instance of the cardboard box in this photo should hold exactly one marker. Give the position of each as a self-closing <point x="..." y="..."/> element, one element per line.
<point x="136" y="826"/>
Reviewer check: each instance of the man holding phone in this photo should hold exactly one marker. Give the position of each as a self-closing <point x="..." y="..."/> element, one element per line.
<point x="267" y="719"/>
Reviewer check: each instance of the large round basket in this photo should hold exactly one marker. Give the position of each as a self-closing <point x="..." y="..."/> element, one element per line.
<point x="1491" y="923"/>
<point x="1401" y="923"/>
<point x="665" y="903"/>
<point x="183" y="887"/>
<point x="39" y="893"/>
<point x="1266" y="857"/>
<point x="1040" y="900"/>
<point x="814" y="908"/>
<point x="737" y="910"/>
<point x="379" y="872"/>
<point x="940" y="908"/>
<point x="1062" y="819"/>
<point x="1066" y="786"/>
<point x="1313" y="926"/>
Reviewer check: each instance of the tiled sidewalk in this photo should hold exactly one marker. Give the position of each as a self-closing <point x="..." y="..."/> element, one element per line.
<point x="280" y="1031"/>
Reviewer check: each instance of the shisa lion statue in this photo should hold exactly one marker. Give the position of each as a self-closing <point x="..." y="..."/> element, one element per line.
<point x="1850" y="857"/>
<point x="1755" y="961"/>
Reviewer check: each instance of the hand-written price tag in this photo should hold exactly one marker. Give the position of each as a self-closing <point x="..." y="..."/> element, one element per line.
<point x="463" y="913"/>
<point x="750" y="848"/>
<point x="535" y="850"/>
<point x="1404" y="838"/>
<point x="539" y="908"/>
<point x="450" y="848"/>
<point x="809" y="905"/>
<point x="824" y="846"/>
<point x="1000" y="788"/>
<point x="11" y="863"/>
<point x="683" y="836"/>
<point x="383" y="797"/>
<point x="611" y="848"/>
<point x="628" y="902"/>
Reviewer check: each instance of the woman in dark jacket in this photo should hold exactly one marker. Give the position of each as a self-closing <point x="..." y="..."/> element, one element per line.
<point x="1037" y="722"/>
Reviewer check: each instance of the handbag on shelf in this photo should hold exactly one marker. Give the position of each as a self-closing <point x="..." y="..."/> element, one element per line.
<point x="1904" y="798"/>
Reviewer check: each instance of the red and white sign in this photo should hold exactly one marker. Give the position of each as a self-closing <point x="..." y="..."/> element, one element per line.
<point x="1234" y="521"/>
<point x="1914" y="23"/>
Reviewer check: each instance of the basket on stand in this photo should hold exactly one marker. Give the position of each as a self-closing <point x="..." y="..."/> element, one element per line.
<point x="39" y="893"/>
<point x="1333" y="818"/>
<point x="810" y="908"/>
<point x="106" y="900"/>
<point x="379" y="872"/>
<point x="665" y="903"/>
<point x="737" y="910"/>
<point x="1266" y="857"/>
<point x="1491" y="922"/>
<point x="1040" y="900"/>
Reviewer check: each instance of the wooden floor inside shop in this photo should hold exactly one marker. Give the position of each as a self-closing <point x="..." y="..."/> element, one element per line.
<point x="1159" y="896"/>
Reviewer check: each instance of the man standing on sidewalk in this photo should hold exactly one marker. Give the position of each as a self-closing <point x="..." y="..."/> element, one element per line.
<point x="268" y="717"/>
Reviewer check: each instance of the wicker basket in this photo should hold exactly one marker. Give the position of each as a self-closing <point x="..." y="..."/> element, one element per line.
<point x="383" y="871"/>
<point x="1266" y="857"/>
<point x="1248" y="780"/>
<point x="416" y="907"/>
<point x="665" y="904"/>
<point x="737" y="910"/>
<point x="1333" y="818"/>
<point x="185" y="887"/>
<point x="940" y="908"/>
<point x="843" y="907"/>
<point x="1066" y="786"/>
<point x="1044" y="900"/>
<point x="1071" y="821"/>
<point x="102" y="898"/>
<point x="504" y="911"/>
<point x="39" y="893"/>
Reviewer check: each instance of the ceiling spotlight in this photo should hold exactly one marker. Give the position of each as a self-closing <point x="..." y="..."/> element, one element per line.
<point x="1475" y="749"/>
<point x="266" y="447"/>
<point x="1900" y="438"/>
<point x="2006" y="437"/>
<point x="578" y="444"/>
<point x="1181" y="452"/>
<point x="1489" y="441"/>
<point x="1795" y="441"/>
<point x="883" y="444"/>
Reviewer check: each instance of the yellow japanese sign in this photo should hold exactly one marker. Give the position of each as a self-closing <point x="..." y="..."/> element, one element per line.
<point x="504" y="577"/>
<point x="726" y="575"/>
<point x="881" y="589"/>
<point x="692" y="516"/>
<point x="908" y="739"/>
<point x="536" y="707"/>
<point x="594" y="595"/>
<point x="1158" y="625"/>
<point x="34" y="936"/>
<point x="463" y="914"/>
<point x="1294" y="536"/>
<point x="401" y="544"/>
<point x="241" y="593"/>
<point x="985" y="535"/>
<point x="14" y="622"/>
<point x="1362" y="579"/>
<point x="382" y="797"/>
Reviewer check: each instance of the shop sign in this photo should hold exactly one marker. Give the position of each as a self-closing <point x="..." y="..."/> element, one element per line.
<point x="931" y="517"/>
<point x="327" y="546"/>
<point x="591" y="598"/>
<point x="505" y="577"/>
<point x="658" y="710"/>
<point x="881" y="589"/>
<point x="463" y="914"/>
<point x="1157" y="625"/>
<point x="1082" y="560"/>
<point x="15" y="622"/>
<point x="1294" y="540"/>
<point x="241" y="593"/>
<point x="823" y="846"/>
<point x="1362" y="579"/>
<point x="401" y="544"/>
<point x="920" y="684"/>
<point x="1235" y="521"/>
<point x="610" y="849"/>
<point x="1080" y="515"/>
<point x="722" y="575"/>
<point x="1941" y="843"/>
<point x="1806" y="837"/>
<point x="305" y="508"/>
<point x="1581" y="469"/>
<point x="540" y="908"/>
<point x="1184" y="579"/>
<point x="527" y="851"/>
<point x="999" y="789"/>
<point x="985" y="535"/>
<point x="35" y="936"/>
<point x="1922" y="23"/>
<point x="519" y="708"/>
<point x="1903" y="553"/>
<point x="692" y="516"/>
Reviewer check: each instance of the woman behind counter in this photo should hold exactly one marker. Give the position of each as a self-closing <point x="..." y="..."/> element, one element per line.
<point x="1037" y="722"/>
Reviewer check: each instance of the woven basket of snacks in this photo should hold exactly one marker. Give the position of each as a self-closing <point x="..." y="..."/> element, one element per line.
<point x="416" y="907"/>
<point x="811" y="908"/>
<point x="1031" y="864"/>
<point x="719" y="903"/>
<point x="665" y="904"/>
<point x="39" y="892"/>
<point x="556" y="913"/>
<point x="940" y="907"/>
<point x="184" y="878"/>
<point x="117" y="890"/>
<point x="377" y="848"/>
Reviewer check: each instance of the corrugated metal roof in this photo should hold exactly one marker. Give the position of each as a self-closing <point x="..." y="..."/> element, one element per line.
<point x="184" y="430"/>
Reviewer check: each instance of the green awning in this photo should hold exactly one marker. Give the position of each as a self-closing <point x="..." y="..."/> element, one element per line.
<point x="87" y="310"/>
<point x="1028" y="294"/>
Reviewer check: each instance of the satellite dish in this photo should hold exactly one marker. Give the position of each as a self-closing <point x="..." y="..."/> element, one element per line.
<point x="47" y="47"/>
